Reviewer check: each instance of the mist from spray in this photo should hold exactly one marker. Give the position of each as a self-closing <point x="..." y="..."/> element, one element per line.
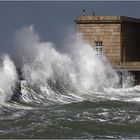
<point x="75" y="71"/>
<point x="79" y="67"/>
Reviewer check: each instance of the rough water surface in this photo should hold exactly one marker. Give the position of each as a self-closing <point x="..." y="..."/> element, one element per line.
<point x="103" y="119"/>
<point x="72" y="93"/>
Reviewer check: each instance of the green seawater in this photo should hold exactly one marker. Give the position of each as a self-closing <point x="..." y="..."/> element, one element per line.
<point x="81" y="120"/>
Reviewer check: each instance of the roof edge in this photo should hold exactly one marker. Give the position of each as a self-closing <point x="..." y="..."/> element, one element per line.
<point x="105" y="19"/>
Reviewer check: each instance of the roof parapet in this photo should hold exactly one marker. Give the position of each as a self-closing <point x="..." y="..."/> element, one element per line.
<point x="105" y="19"/>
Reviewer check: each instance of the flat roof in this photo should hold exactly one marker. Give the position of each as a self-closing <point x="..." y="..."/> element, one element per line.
<point x="105" y="19"/>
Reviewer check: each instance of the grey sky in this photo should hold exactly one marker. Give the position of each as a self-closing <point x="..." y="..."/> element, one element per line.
<point x="53" y="20"/>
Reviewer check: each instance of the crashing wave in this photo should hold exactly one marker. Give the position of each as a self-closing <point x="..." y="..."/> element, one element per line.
<point x="53" y="77"/>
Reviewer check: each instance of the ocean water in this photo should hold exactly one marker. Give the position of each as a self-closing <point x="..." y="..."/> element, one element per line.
<point x="86" y="119"/>
<point x="68" y="93"/>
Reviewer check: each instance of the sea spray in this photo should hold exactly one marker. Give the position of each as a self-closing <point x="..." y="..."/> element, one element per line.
<point x="128" y="79"/>
<point x="92" y="70"/>
<point x="50" y="75"/>
<point x="62" y="76"/>
<point x="8" y="77"/>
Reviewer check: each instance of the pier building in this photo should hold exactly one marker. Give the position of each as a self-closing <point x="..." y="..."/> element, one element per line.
<point x="116" y="37"/>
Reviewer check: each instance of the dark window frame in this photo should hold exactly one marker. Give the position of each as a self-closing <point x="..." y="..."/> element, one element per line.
<point x="99" y="48"/>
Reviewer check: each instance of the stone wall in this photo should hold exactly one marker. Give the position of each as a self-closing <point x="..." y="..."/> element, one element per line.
<point x="120" y="36"/>
<point x="108" y="33"/>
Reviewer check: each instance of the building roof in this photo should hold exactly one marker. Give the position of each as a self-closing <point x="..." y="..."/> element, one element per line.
<point x="105" y="19"/>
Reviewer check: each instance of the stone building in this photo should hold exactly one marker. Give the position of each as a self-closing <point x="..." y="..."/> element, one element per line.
<point x="117" y="37"/>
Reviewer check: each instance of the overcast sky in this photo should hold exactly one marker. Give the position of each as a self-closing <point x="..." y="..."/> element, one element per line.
<point x="53" y="20"/>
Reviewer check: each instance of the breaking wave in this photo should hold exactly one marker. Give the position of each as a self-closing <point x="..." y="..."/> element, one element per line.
<point x="52" y="76"/>
<point x="8" y="78"/>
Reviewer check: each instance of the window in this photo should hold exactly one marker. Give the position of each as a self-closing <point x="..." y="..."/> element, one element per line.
<point x="98" y="48"/>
